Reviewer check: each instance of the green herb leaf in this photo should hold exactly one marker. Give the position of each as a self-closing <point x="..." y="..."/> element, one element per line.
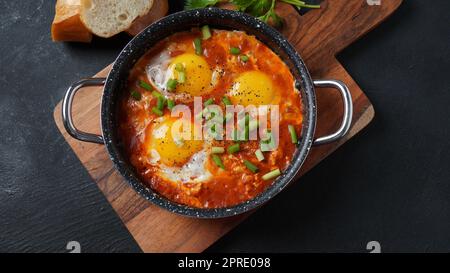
<point x="242" y="5"/>
<point x="269" y="14"/>
<point x="300" y="4"/>
<point x="260" y="7"/>
<point x="197" y="4"/>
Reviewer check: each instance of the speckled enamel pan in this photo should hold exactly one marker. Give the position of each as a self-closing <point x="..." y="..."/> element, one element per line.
<point x="182" y="21"/>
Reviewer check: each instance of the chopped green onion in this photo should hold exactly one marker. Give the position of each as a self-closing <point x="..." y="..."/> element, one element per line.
<point x="181" y="72"/>
<point x="234" y="148"/>
<point x="206" y="32"/>
<point x="250" y="166"/>
<point x="145" y="85"/>
<point x="136" y="95"/>
<point x="243" y="120"/>
<point x="156" y="94"/>
<point x="226" y="100"/>
<point x="205" y="111"/>
<point x="271" y="175"/>
<point x="235" y="135"/>
<point x="157" y="111"/>
<point x="182" y="77"/>
<point x="213" y="132"/>
<point x="202" y="114"/>
<point x="218" y="161"/>
<point x="179" y="67"/>
<point x="213" y="114"/>
<point x="227" y="117"/>
<point x="179" y="141"/>
<point x="241" y="131"/>
<point x="259" y="155"/>
<point x="245" y="123"/>
<point x="244" y="58"/>
<point x="235" y="51"/>
<point x="160" y="103"/>
<point x="253" y="125"/>
<point x="172" y="84"/>
<point x="267" y="147"/>
<point x="293" y="134"/>
<point x="217" y="150"/>
<point x="198" y="46"/>
<point x="268" y="144"/>
<point x="199" y="115"/>
<point x="268" y="139"/>
<point x="170" y="104"/>
<point x="208" y="102"/>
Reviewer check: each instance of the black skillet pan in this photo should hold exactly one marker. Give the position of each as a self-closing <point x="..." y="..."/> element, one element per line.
<point x="182" y="21"/>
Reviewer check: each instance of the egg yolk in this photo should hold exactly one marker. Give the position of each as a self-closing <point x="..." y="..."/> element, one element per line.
<point x="252" y="88"/>
<point x="197" y="74"/>
<point x="173" y="150"/>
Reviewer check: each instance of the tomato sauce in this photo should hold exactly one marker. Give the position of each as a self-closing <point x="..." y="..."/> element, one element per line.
<point x="236" y="183"/>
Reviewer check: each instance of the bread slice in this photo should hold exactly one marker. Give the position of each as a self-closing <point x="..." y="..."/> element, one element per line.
<point x="108" y="18"/>
<point x="67" y="25"/>
<point x="159" y="10"/>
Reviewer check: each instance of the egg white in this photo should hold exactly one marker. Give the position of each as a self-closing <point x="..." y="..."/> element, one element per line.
<point x="193" y="171"/>
<point x="159" y="73"/>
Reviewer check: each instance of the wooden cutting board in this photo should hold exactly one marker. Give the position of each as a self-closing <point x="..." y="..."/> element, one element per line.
<point x="318" y="36"/>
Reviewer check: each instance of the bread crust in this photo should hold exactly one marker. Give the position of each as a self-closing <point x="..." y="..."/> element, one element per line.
<point x="86" y="5"/>
<point x="158" y="10"/>
<point x="67" y="25"/>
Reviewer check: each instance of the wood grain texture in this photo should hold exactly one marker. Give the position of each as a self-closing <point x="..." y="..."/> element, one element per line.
<point x="318" y="36"/>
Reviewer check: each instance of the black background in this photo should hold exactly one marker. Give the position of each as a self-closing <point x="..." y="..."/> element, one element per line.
<point x="390" y="183"/>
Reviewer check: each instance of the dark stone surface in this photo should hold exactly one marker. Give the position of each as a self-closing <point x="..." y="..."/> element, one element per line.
<point x="389" y="184"/>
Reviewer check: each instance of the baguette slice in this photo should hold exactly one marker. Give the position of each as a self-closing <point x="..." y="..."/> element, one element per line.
<point x="159" y="10"/>
<point x="67" y="25"/>
<point x="108" y="18"/>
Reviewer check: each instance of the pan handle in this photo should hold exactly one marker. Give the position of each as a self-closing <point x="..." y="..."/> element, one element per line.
<point x="348" y="110"/>
<point x="67" y="110"/>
